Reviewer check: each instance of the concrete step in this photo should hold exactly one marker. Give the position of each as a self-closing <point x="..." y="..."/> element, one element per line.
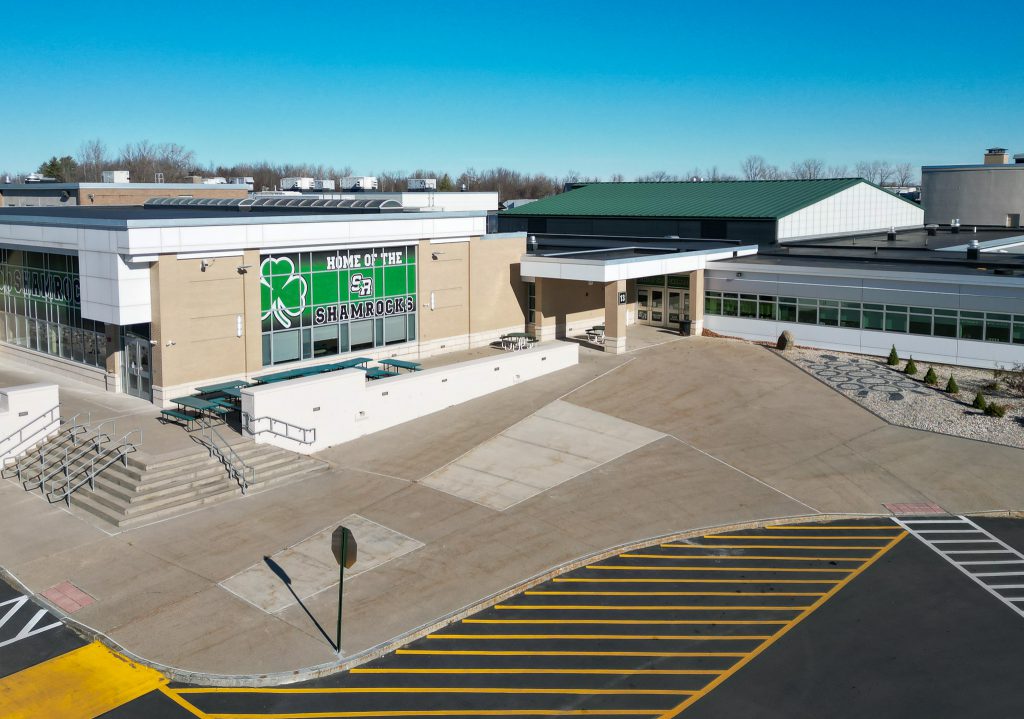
<point x="145" y="490"/>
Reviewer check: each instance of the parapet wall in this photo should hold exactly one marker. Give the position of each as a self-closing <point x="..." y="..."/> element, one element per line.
<point x="341" y="406"/>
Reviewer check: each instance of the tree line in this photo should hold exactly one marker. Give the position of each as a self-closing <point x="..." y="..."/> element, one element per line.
<point x="170" y="162"/>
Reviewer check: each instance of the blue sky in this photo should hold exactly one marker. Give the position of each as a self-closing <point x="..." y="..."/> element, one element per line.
<point x="597" y="87"/>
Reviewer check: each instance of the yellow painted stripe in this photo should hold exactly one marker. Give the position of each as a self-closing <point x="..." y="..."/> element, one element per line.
<point x="831" y="538"/>
<point x="427" y="690"/>
<point x="483" y="653"/>
<point x="476" y="670"/>
<point x="782" y="632"/>
<point x="85" y="683"/>
<point x="710" y="622"/>
<point x="653" y="607"/>
<point x="873" y="547"/>
<point x="700" y="637"/>
<point x="684" y="580"/>
<point x="173" y="696"/>
<point x="674" y="594"/>
<point x="817" y="528"/>
<point x="447" y="712"/>
<point x="645" y="568"/>
<point x="744" y="556"/>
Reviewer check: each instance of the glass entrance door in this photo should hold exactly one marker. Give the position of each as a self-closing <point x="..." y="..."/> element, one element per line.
<point x="678" y="307"/>
<point x="138" y="376"/>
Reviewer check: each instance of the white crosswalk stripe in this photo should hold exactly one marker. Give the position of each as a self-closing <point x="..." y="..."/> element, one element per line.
<point x="972" y="568"/>
<point x="30" y="628"/>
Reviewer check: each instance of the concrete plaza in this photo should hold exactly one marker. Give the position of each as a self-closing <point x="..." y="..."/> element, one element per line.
<point x="669" y="438"/>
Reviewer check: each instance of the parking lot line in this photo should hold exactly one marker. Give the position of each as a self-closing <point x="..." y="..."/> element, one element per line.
<point x="745" y="556"/>
<point x="645" y="568"/>
<point x="805" y="537"/>
<point x="689" y="580"/>
<point x="428" y="690"/>
<point x="555" y="653"/>
<point x="477" y="670"/>
<point x="771" y="546"/>
<point x="675" y="594"/>
<point x="750" y="656"/>
<point x="446" y="712"/>
<point x="621" y="621"/>
<point x="628" y="637"/>
<point x="831" y="527"/>
<point x="651" y="607"/>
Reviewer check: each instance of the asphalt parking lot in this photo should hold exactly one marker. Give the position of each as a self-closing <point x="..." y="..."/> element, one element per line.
<point x="848" y="619"/>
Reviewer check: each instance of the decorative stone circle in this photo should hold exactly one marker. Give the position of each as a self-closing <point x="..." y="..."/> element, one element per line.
<point x="862" y="377"/>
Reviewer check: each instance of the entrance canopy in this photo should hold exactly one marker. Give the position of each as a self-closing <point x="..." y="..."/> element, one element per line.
<point x="627" y="261"/>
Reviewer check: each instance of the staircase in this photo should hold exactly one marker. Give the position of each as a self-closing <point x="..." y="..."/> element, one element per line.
<point x="137" y="491"/>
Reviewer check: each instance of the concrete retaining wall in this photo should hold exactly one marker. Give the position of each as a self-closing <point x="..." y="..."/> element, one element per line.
<point x="28" y="414"/>
<point x="342" y="406"/>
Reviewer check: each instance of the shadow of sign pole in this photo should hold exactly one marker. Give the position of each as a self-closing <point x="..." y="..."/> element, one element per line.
<point x="343" y="545"/>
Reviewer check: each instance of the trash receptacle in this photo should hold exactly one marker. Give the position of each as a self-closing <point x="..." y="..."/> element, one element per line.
<point x="684" y="326"/>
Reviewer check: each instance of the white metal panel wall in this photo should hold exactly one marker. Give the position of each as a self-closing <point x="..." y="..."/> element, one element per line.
<point x="861" y="208"/>
<point x="869" y="342"/>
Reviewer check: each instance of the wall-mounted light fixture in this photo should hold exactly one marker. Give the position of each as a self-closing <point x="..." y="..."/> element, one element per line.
<point x="203" y="264"/>
<point x="242" y="269"/>
<point x="171" y="343"/>
<point x="435" y="253"/>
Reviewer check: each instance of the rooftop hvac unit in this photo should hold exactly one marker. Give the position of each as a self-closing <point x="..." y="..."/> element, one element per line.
<point x="323" y="185"/>
<point x="421" y="184"/>
<point x="362" y="182"/>
<point x="241" y="181"/>
<point x="296" y="183"/>
<point x="115" y="176"/>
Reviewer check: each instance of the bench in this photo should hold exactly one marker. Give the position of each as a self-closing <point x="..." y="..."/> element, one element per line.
<point x="174" y="415"/>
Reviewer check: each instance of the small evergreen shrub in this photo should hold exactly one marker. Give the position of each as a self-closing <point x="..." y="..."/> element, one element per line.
<point x="930" y="378"/>
<point x="894" y="359"/>
<point x="911" y="368"/>
<point x="995" y="410"/>
<point x="979" y="401"/>
<point x="952" y="387"/>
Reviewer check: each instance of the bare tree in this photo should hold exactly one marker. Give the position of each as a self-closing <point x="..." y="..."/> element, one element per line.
<point x="658" y="176"/>
<point x="92" y="160"/>
<point x="617" y="177"/>
<point x="715" y="175"/>
<point x="879" y="172"/>
<point x="904" y="174"/>
<point x="753" y="168"/>
<point x="809" y="169"/>
<point x="837" y="171"/>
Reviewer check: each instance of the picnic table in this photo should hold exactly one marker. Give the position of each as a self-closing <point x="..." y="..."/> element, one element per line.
<point x="199" y="407"/>
<point x="517" y="340"/>
<point x="379" y="373"/>
<point x="596" y="334"/>
<point x="401" y="364"/>
<point x="222" y="386"/>
<point x="235" y="392"/>
<point x="355" y="362"/>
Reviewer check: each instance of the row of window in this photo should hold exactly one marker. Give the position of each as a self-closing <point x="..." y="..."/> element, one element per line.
<point x="317" y="342"/>
<point x="961" y="324"/>
<point x="86" y="344"/>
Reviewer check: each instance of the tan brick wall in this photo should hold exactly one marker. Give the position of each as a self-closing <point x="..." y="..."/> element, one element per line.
<point x="570" y="306"/>
<point x="138" y="196"/>
<point x="444" y="271"/>
<point x="497" y="297"/>
<point x="197" y="310"/>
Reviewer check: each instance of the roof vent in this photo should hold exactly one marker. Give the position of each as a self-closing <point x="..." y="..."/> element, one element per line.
<point x="972" y="250"/>
<point x="932" y="230"/>
<point x="954" y="225"/>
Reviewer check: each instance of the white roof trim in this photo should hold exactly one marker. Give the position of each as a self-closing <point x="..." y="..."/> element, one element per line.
<point x="629" y="268"/>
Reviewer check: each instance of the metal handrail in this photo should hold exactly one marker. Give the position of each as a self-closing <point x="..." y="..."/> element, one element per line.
<point x="308" y="436"/>
<point x="238" y="469"/>
<point x="66" y="465"/>
<point x="118" y="452"/>
<point x="71" y="429"/>
<point x="52" y="414"/>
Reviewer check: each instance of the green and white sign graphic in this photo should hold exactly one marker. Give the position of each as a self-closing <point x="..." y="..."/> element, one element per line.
<point x="309" y="289"/>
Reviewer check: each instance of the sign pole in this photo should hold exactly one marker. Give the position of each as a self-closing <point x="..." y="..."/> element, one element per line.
<point x="341" y="585"/>
<point x="344" y="547"/>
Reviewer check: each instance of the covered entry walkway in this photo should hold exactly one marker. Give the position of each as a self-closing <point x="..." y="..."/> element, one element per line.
<point x="601" y="286"/>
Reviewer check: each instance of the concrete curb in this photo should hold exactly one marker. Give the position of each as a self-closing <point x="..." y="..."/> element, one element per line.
<point x="185" y="676"/>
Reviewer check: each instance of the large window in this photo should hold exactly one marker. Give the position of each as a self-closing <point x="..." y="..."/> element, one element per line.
<point x="965" y="324"/>
<point x="41" y="307"/>
<point x="319" y="304"/>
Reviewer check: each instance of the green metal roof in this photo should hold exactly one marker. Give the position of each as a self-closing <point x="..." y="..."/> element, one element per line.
<point x="772" y="199"/>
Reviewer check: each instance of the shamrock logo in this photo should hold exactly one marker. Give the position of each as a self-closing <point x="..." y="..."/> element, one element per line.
<point x="283" y="292"/>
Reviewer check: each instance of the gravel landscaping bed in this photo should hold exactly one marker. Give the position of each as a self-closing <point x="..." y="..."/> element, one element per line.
<point x="908" y="401"/>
